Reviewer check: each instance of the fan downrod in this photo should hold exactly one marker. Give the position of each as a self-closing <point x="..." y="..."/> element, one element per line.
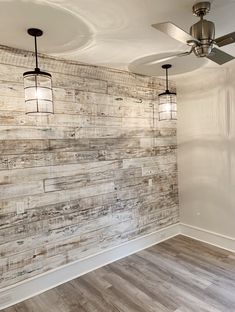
<point x="200" y="9"/>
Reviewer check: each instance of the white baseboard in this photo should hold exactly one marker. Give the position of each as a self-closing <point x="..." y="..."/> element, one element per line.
<point x="208" y="237"/>
<point x="40" y="283"/>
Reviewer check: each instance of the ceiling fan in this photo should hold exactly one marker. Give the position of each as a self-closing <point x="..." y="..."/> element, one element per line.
<point x="201" y="37"/>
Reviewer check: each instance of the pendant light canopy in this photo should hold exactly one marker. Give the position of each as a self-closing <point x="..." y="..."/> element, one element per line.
<point x="37" y="85"/>
<point x="167" y="107"/>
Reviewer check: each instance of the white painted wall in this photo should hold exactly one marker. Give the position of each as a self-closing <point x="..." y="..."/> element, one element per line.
<point x="206" y="154"/>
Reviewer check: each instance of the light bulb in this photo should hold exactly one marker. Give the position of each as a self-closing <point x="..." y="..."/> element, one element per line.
<point x="167" y="107"/>
<point x="38" y="93"/>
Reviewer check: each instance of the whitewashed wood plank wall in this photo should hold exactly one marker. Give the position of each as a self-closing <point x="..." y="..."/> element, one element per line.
<point x="98" y="173"/>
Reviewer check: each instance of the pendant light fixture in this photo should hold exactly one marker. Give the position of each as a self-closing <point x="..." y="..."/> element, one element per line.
<point x="167" y="107"/>
<point x="37" y="85"/>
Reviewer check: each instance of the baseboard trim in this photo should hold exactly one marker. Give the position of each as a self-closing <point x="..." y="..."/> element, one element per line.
<point x="43" y="282"/>
<point x="209" y="237"/>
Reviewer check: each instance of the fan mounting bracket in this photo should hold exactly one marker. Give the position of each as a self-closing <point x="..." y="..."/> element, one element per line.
<point x="201" y="8"/>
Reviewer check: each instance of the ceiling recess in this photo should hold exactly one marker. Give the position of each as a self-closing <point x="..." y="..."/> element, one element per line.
<point x="64" y="32"/>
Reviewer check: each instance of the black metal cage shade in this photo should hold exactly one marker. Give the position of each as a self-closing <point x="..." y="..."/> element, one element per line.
<point x="38" y="86"/>
<point x="38" y="93"/>
<point x="167" y="106"/>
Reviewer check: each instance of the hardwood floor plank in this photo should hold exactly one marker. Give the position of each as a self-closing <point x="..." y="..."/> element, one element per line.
<point x="11" y="309"/>
<point x="135" y="295"/>
<point x="135" y="278"/>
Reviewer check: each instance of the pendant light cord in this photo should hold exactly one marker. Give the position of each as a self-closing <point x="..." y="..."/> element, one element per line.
<point x="167" y="79"/>
<point x="36" y="52"/>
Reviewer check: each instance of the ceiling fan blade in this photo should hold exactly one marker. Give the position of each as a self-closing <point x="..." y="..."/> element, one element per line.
<point x="219" y="56"/>
<point x="174" y="32"/>
<point x="170" y="57"/>
<point x="226" y="39"/>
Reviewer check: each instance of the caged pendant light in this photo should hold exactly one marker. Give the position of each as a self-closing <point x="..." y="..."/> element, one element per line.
<point x="37" y="85"/>
<point x="167" y="107"/>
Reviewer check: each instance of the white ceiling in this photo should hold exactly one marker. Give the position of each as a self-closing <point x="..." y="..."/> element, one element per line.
<point x="114" y="33"/>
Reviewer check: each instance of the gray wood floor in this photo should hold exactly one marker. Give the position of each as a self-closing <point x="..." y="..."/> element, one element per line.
<point x="181" y="275"/>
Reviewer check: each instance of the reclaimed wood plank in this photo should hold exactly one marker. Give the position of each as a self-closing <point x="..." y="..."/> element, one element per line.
<point x="22" y="189"/>
<point x="22" y="133"/>
<point x="49" y="172"/>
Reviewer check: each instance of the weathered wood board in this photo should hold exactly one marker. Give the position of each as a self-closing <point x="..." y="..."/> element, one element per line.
<point x="100" y="171"/>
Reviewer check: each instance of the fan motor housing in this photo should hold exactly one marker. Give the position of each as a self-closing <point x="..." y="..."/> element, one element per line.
<point x="204" y="31"/>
